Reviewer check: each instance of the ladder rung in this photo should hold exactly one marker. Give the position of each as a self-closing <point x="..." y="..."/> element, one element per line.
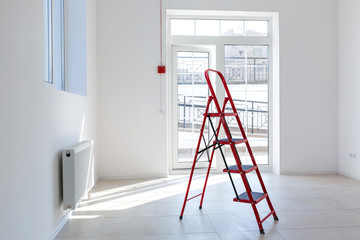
<point x="263" y="220"/>
<point x="193" y="197"/>
<point x="245" y="168"/>
<point x="220" y="114"/>
<point x="257" y="196"/>
<point x="234" y="140"/>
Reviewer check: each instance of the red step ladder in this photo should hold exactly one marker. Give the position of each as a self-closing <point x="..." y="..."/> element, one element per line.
<point x="248" y="196"/>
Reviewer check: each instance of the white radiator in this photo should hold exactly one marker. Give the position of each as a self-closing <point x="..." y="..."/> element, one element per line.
<point x="78" y="173"/>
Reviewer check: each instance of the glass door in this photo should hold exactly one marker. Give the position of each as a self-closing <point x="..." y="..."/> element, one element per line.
<point x="190" y="94"/>
<point x="247" y="76"/>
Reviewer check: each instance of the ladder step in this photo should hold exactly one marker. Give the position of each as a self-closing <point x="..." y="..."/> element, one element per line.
<point x="234" y="140"/>
<point x="257" y="196"/>
<point x="245" y="168"/>
<point x="222" y="114"/>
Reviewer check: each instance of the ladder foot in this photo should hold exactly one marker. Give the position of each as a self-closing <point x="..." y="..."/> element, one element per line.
<point x="180" y="217"/>
<point x="200" y="207"/>
<point x="262" y="231"/>
<point x="276" y="218"/>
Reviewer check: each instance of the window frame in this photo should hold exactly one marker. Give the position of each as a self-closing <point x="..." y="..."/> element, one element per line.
<point x="211" y="63"/>
<point x="54" y="33"/>
<point x="219" y="42"/>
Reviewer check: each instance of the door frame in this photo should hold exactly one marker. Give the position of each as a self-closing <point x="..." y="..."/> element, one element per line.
<point x="210" y="49"/>
<point x="272" y="41"/>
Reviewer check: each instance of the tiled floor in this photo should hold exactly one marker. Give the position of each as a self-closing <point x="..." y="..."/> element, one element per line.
<point x="309" y="207"/>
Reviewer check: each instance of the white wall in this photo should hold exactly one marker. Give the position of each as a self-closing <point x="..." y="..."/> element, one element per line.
<point x="349" y="87"/>
<point x="36" y="122"/>
<point x="131" y="130"/>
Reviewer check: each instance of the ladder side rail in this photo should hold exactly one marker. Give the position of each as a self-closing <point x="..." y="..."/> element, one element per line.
<point x="195" y="157"/>
<point x="258" y="219"/>
<point x="218" y="109"/>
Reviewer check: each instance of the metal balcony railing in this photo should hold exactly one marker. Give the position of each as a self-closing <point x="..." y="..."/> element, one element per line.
<point x="253" y="114"/>
<point x="238" y="70"/>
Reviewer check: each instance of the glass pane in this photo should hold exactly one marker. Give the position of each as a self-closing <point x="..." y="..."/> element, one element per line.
<point x="184" y="27"/>
<point x="192" y="94"/>
<point x="244" y="28"/>
<point x="48" y="42"/>
<point x="58" y="44"/>
<point x="247" y="76"/>
<point x="207" y="27"/>
<point x="232" y="28"/>
<point x="192" y="27"/>
<point x="256" y="28"/>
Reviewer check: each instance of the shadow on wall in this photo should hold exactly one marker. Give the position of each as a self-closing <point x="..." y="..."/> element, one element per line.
<point x="57" y="184"/>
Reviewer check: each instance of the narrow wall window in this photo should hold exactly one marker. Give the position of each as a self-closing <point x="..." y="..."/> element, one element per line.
<point x="55" y="43"/>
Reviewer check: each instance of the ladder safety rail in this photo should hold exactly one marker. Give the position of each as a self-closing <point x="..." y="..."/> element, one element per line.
<point x="248" y="196"/>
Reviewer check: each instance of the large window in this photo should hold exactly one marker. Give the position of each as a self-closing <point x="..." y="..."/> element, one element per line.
<point x="243" y="53"/>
